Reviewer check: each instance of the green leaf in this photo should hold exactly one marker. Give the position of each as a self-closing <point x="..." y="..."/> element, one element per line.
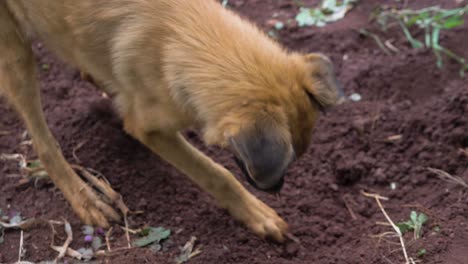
<point x="34" y="164"/>
<point x="435" y="38"/>
<point x="306" y="17"/>
<point x="155" y="235"/>
<point x="421" y="252"/>
<point x="279" y="25"/>
<point x="87" y="230"/>
<point x="414" y="216"/>
<point x="329" y="11"/>
<point x="418" y="19"/>
<point x="16" y="219"/>
<point x="96" y="243"/>
<point x="403" y="227"/>
<point x="415" y="223"/>
<point x="415" y="43"/>
<point x="427" y="37"/>
<point x="86" y="253"/>
<point x="329" y="5"/>
<point x="418" y="221"/>
<point x="452" y="22"/>
<point x="145" y="231"/>
<point x="422" y="218"/>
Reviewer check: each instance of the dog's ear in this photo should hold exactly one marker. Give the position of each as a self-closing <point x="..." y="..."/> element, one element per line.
<point x="321" y="85"/>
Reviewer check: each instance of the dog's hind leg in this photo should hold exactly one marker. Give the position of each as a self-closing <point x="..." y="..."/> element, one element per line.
<point x="19" y="85"/>
<point x="217" y="181"/>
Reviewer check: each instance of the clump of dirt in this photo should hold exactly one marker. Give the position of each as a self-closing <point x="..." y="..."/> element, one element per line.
<point x="412" y="117"/>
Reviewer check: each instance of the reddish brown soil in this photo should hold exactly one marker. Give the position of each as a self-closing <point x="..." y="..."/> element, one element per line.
<point x="403" y="94"/>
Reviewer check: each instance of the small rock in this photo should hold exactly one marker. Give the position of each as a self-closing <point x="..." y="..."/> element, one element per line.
<point x="334" y="187"/>
<point x="142" y="203"/>
<point x="242" y="238"/>
<point x="271" y="23"/>
<point x="292" y="249"/>
<point x="355" y="97"/>
<point x="380" y="176"/>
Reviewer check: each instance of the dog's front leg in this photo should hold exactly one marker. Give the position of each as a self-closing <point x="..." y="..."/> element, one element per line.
<point x="219" y="182"/>
<point x="18" y="83"/>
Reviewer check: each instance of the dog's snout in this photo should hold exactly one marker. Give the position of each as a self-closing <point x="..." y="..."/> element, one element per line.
<point x="265" y="167"/>
<point x="269" y="175"/>
<point x="268" y="182"/>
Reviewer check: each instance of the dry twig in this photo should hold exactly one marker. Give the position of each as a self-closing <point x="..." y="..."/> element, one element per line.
<point x="377" y="198"/>
<point x="350" y="210"/>
<point x="4" y="133"/>
<point x="464" y="151"/>
<point x="293" y="238"/>
<point x="75" y="149"/>
<point x="63" y="249"/>
<point x="108" y="234"/>
<point x="447" y="177"/>
<point x="20" y="247"/>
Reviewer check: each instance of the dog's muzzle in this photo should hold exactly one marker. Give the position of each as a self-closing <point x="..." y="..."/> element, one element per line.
<point x="273" y="184"/>
<point x="263" y="163"/>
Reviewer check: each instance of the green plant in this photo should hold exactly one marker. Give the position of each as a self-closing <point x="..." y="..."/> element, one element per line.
<point x="152" y="235"/>
<point x="328" y="11"/>
<point x="415" y="224"/>
<point x="432" y="20"/>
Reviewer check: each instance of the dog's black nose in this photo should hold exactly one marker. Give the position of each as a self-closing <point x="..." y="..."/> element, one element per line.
<point x="266" y="184"/>
<point x="275" y="188"/>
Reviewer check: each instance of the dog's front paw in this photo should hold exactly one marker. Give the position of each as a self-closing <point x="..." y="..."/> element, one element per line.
<point x="260" y="218"/>
<point x="93" y="208"/>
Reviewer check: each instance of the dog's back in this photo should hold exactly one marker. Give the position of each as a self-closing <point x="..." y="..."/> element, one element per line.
<point x="79" y="32"/>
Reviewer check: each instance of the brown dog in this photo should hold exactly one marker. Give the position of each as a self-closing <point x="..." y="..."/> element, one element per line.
<point x="171" y="64"/>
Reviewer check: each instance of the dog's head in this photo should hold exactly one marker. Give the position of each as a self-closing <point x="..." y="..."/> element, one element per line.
<point x="272" y="124"/>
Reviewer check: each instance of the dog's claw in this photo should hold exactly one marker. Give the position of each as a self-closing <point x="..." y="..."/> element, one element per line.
<point x="261" y="219"/>
<point x="90" y="207"/>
